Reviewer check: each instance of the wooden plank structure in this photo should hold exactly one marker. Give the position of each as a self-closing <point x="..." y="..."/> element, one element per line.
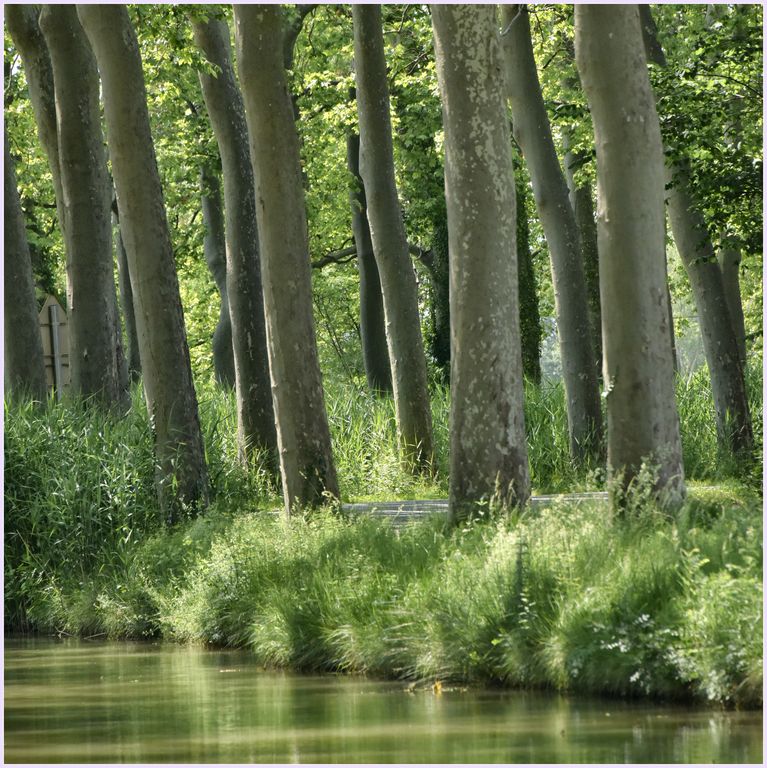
<point x="54" y="332"/>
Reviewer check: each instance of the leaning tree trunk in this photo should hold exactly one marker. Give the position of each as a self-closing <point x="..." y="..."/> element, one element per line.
<point x="214" y="248"/>
<point x="171" y="401"/>
<point x="24" y="29"/>
<point x="303" y="435"/>
<point x="696" y="250"/>
<point x="533" y="134"/>
<point x="488" y="452"/>
<point x="24" y="363"/>
<point x="583" y="210"/>
<point x="642" y="419"/>
<point x="387" y="229"/>
<point x="126" y="300"/>
<point x="256" y="431"/>
<point x="96" y="357"/>
<point x="375" y="354"/>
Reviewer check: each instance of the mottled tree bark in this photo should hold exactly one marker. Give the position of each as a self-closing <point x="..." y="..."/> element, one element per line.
<point x="733" y="419"/>
<point x="303" y="435"/>
<point x="642" y="419"/>
<point x="182" y="477"/>
<point x="387" y="230"/>
<point x="533" y="134"/>
<point x="583" y="210"/>
<point x="488" y="452"/>
<point x="256" y="431"/>
<point x="96" y="356"/>
<point x="375" y="354"/>
<point x="24" y="29"/>
<point x="214" y="249"/>
<point x="24" y="364"/>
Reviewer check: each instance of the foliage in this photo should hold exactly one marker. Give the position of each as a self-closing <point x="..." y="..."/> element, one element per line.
<point x="566" y="597"/>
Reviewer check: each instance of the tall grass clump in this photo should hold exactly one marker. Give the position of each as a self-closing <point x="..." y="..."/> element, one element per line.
<point x="569" y="597"/>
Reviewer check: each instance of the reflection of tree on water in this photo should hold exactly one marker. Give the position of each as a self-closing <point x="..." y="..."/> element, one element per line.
<point x="141" y="702"/>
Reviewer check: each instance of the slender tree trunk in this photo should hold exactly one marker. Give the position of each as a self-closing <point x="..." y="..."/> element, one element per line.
<point x="96" y="357"/>
<point x="583" y="210"/>
<point x="533" y="134"/>
<point x="488" y="452"/>
<point x="387" y="230"/>
<point x="729" y="258"/>
<point x="256" y="431"/>
<point x="24" y="29"/>
<point x="438" y="266"/>
<point x="696" y="250"/>
<point x="214" y="248"/>
<point x="372" y="324"/>
<point x="24" y="363"/>
<point x="642" y="419"/>
<point x="170" y="397"/>
<point x="303" y="435"/>
<point x="126" y="301"/>
<point x="529" y="316"/>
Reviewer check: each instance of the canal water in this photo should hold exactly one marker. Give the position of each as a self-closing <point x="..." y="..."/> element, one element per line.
<point x="78" y="701"/>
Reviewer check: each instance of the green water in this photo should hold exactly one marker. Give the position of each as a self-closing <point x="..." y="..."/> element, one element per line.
<point x="80" y="702"/>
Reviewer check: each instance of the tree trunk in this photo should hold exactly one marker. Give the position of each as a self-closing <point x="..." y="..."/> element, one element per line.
<point x="170" y="397"/>
<point x="488" y="452"/>
<point x="96" y="357"/>
<point x="387" y="230"/>
<point x="256" y="431"/>
<point x="24" y="29"/>
<point x="303" y="435"/>
<point x="529" y="316"/>
<point x="729" y="263"/>
<point x="642" y="419"/>
<point x="583" y="210"/>
<point x="533" y="134"/>
<point x="372" y="324"/>
<point x="696" y="250"/>
<point x="24" y="363"/>
<point x="214" y="248"/>
<point x="126" y="301"/>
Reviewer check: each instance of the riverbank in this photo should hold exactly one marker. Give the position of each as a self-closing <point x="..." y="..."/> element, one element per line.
<point x="567" y="597"/>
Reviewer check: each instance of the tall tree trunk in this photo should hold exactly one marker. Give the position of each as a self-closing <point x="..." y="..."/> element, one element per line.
<point x="488" y="452"/>
<point x="303" y="435"/>
<point x="214" y="248"/>
<point x="24" y="363"/>
<point x="387" y="230"/>
<point x="170" y="397"/>
<point x="642" y="419"/>
<point x="533" y="134"/>
<point x="96" y="357"/>
<point x="529" y="316"/>
<point x="126" y="300"/>
<point x="583" y="210"/>
<point x="437" y="264"/>
<point x="24" y="29"/>
<point x="729" y="258"/>
<point x="375" y="354"/>
<point x="256" y="431"/>
<point x="696" y="250"/>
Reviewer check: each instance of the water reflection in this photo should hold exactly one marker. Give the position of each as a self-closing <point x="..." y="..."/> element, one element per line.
<point x="133" y="702"/>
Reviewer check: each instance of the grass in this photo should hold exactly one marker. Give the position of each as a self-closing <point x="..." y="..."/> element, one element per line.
<point x="569" y="597"/>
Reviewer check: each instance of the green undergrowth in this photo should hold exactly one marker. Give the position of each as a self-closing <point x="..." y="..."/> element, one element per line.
<point x="570" y="598"/>
<point x="567" y="597"/>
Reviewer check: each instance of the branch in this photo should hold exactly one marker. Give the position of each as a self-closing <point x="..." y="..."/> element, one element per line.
<point x="343" y="256"/>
